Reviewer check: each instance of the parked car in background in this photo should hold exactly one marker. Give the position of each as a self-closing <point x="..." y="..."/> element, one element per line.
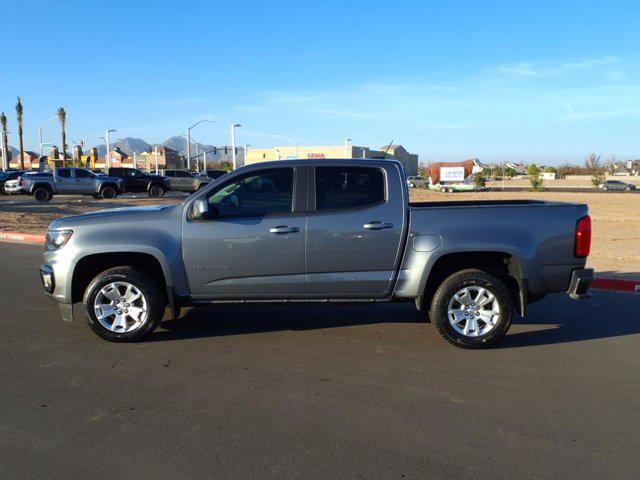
<point x="138" y="181"/>
<point x="70" y="181"/>
<point x="616" y="185"/>
<point x="212" y="174"/>
<point x="183" y="181"/>
<point x="8" y="176"/>
<point x="317" y="231"/>
<point x="415" y="181"/>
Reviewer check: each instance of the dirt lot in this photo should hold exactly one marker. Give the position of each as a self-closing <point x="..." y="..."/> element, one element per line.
<point x="616" y="218"/>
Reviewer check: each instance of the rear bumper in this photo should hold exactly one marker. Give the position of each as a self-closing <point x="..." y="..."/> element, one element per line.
<point x="581" y="278"/>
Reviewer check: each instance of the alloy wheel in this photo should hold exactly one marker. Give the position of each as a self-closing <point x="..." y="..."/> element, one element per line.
<point x="120" y="307"/>
<point x="473" y="311"/>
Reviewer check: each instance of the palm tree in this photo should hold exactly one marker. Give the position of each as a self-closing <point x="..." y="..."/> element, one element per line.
<point x="62" y="116"/>
<point x="19" y="118"/>
<point x="5" y="147"/>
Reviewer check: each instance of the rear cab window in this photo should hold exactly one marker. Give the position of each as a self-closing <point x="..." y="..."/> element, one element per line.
<point x="341" y="188"/>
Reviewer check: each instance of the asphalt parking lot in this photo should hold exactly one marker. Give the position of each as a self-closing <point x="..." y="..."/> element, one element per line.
<point x="288" y="391"/>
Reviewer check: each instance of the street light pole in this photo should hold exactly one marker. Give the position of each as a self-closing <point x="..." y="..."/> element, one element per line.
<point x="233" y="144"/>
<point x="346" y="148"/>
<point x="5" y="160"/>
<point x="189" y="140"/>
<point x="106" y="139"/>
<point x="289" y="140"/>
<point x="40" y="130"/>
<point x="246" y="151"/>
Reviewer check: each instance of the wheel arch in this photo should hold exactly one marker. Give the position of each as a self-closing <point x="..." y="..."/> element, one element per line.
<point x="42" y="185"/>
<point x="109" y="184"/>
<point x="90" y="265"/>
<point x="503" y="264"/>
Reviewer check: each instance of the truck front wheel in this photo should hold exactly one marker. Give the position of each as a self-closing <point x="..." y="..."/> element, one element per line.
<point x="156" y="191"/>
<point x="123" y="304"/>
<point x="472" y="309"/>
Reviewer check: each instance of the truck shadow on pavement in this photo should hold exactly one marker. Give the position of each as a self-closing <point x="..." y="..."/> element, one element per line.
<point x="556" y="319"/>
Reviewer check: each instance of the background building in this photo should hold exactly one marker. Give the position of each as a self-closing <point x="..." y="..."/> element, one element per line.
<point x="394" y="152"/>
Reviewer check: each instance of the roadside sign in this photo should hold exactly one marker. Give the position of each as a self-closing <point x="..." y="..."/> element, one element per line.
<point x="45" y="148"/>
<point x="451" y="174"/>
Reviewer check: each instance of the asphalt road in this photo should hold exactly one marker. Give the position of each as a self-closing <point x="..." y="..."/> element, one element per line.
<point x="316" y="392"/>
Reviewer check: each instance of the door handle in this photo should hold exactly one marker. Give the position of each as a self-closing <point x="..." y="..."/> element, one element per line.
<point x="280" y="229"/>
<point x="377" y="225"/>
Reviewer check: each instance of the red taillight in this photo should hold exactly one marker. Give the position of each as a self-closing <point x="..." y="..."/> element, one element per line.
<point x="20" y="182"/>
<point x="582" y="245"/>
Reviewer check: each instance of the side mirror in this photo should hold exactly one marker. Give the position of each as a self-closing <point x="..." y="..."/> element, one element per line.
<point x="200" y="209"/>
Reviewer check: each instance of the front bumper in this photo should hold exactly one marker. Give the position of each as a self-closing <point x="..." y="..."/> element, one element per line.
<point x="47" y="276"/>
<point x="581" y="278"/>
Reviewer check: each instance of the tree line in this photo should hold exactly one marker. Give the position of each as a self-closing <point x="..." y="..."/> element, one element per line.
<point x="62" y="118"/>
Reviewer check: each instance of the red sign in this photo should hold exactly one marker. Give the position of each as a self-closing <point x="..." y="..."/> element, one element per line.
<point x="315" y="155"/>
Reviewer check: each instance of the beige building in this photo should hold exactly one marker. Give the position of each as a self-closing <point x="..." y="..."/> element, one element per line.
<point x="394" y="152"/>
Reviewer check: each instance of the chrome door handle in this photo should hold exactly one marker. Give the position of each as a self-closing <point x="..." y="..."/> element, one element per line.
<point x="377" y="225"/>
<point x="280" y="229"/>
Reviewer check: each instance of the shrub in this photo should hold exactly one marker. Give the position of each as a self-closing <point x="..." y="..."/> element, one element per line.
<point x="594" y="167"/>
<point x="534" y="171"/>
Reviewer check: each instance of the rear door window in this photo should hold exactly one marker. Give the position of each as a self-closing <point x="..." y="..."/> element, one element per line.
<point x="64" y="172"/>
<point x="80" y="173"/>
<point x="339" y="188"/>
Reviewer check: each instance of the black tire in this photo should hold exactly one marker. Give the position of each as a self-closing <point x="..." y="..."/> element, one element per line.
<point x="450" y="190"/>
<point x="150" y="290"/>
<point x="156" y="191"/>
<point x="108" y="193"/>
<point x="439" y="315"/>
<point x="443" y="189"/>
<point x="96" y="196"/>
<point x="627" y="188"/>
<point x="42" y="194"/>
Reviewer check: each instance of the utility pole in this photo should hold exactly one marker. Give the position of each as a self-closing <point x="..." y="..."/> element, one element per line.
<point x="346" y="148"/>
<point x="233" y="144"/>
<point x="108" y="158"/>
<point x="156" y="150"/>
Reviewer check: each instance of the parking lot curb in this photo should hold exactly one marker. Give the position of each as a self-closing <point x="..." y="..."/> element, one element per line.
<point x="616" y="285"/>
<point x="17" y="237"/>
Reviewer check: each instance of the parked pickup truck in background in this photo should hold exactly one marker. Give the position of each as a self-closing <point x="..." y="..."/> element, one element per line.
<point x="318" y="230"/>
<point x="138" y="181"/>
<point x="71" y="181"/>
<point x="183" y="181"/>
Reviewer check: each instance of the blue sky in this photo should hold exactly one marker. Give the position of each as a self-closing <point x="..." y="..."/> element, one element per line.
<point x="524" y="81"/>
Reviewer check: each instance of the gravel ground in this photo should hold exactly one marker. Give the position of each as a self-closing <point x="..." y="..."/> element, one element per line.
<point x="616" y="221"/>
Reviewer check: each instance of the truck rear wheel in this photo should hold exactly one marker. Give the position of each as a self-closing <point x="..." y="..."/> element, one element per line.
<point x="472" y="309"/>
<point x="42" y="194"/>
<point x="123" y="304"/>
<point x="108" y="193"/>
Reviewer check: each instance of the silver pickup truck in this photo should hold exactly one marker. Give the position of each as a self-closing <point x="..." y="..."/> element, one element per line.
<point x="71" y="181"/>
<point x="318" y="231"/>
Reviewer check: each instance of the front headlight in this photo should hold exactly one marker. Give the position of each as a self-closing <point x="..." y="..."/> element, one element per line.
<point x="57" y="238"/>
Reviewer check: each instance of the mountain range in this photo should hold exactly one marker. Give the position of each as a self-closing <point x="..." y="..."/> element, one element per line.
<point x="130" y="145"/>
